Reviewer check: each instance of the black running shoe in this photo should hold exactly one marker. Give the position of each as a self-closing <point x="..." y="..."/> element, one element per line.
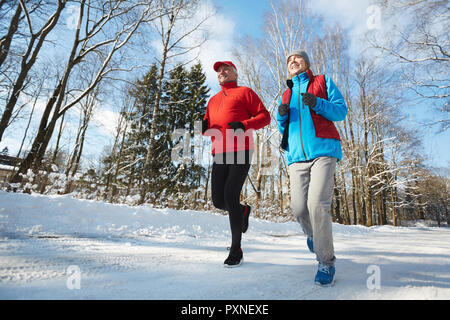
<point x="246" y="215"/>
<point x="235" y="258"/>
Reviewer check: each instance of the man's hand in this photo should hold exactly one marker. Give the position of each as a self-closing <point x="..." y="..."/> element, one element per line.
<point x="283" y="109"/>
<point x="309" y="99"/>
<point x="236" y="125"/>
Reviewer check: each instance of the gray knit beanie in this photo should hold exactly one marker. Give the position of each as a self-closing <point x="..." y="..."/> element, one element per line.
<point x="300" y="53"/>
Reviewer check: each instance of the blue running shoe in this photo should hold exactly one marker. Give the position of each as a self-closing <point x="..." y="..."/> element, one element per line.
<point x="325" y="275"/>
<point x="310" y="244"/>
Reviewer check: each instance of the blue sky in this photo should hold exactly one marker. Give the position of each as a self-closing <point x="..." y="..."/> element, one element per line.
<point x="246" y="14"/>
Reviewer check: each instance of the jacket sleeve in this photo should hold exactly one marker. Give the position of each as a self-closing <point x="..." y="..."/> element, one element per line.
<point x="260" y="117"/>
<point x="281" y="120"/>
<point x="335" y="108"/>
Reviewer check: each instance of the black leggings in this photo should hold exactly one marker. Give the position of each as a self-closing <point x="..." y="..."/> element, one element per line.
<point x="226" y="185"/>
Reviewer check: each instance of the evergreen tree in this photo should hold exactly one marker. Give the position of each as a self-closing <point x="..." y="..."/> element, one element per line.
<point x="127" y="160"/>
<point x="183" y="102"/>
<point x="140" y="119"/>
<point x="199" y="94"/>
<point x="186" y="96"/>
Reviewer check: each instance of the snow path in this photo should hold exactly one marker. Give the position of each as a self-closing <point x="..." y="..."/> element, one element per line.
<point x="145" y="253"/>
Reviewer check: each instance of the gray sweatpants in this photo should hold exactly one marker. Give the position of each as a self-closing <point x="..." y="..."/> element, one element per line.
<point x="311" y="196"/>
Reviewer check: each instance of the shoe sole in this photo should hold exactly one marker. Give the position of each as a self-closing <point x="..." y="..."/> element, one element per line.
<point x="234" y="265"/>
<point x="325" y="285"/>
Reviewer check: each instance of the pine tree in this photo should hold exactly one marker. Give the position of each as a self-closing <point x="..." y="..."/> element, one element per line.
<point x="184" y="103"/>
<point x="140" y="119"/>
<point x="127" y="160"/>
<point x="198" y="92"/>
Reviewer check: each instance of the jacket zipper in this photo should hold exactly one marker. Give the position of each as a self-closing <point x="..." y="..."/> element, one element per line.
<point x="221" y="100"/>
<point x="300" y="118"/>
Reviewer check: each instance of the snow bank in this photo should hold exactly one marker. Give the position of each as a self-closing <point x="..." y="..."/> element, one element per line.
<point x="126" y="252"/>
<point x="38" y="215"/>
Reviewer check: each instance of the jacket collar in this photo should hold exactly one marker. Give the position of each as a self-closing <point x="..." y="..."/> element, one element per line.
<point x="302" y="77"/>
<point x="228" y="85"/>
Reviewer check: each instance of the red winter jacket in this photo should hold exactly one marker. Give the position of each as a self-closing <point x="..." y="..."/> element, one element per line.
<point x="234" y="103"/>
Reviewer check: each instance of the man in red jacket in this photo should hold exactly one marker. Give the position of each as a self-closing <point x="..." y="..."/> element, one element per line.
<point x="231" y="116"/>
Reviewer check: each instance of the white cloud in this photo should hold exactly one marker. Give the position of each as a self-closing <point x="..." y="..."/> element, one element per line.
<point x="106" y="121"/>
<point x="350" y="14"/>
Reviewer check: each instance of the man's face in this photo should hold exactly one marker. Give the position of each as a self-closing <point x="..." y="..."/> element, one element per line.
<point x="296" y="65"/>
<point x="225" y="73"/>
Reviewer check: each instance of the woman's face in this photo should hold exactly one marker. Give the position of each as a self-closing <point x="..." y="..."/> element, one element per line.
<point x="296" y="65"/>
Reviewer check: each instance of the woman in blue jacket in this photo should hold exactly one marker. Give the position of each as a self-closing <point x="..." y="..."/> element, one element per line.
<point x="305" y="119"/>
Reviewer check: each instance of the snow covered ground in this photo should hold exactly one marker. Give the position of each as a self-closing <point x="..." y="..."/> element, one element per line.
<point x="56" y="247"/>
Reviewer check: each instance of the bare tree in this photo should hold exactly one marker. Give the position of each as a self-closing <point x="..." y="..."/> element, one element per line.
<point x="418" y="43"/>
<point x="103" y="28"/>
<point x="173" y="27"/>
<point x="36" y="94"/>
<point x="115" y="156"/>
<point x="383" y="151"/>
<point x="5" y="40"/>
<point x="87" y="111"/>
<point x="35" y="44"/>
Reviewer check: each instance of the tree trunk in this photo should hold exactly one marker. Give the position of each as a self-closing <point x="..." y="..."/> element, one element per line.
<point x="394" y="209"/>
<point x="357" y="196"/>
<point x="55" y="152"/>
<point x="344" y="200"/>
<point x="148" y="158"/>
<point x="337" y="199"/>
<point x="447" y="215"/>
<point x="280" y="188"/>
<point x="35" y="156"/>
<point x="116" y="141"/>
<point x="5" y="42"/>
<point x="369" y="210"/>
